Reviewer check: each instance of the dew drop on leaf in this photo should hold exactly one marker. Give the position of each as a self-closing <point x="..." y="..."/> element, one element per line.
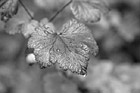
<point x="84" y="75"/>
<point x="70" y="49"/>
<point x="41" y="41"/>
<point x="78" y="44"/>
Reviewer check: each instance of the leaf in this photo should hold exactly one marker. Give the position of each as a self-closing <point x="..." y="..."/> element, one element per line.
<point x="8" y="8"/>
<point x="109" y="77"/>
<point x="19" y="23"/>
<point x="56" y="83"/>
<point x="89" y="11"/>
<point x="78" y="43"/>
<point x="70" y="47"/>
<point x="41" y="40"/>
<point x="28" y="27"/>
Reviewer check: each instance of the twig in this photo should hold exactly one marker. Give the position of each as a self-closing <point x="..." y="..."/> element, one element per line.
<point x="20" y="1"/>
<point x="57" y="13"/>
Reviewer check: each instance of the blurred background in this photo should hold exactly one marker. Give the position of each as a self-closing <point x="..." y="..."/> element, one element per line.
<point x="116" y="68"/>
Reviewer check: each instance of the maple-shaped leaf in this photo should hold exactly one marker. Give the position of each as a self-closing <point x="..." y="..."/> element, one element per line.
<point x="8" y="8"/>
<point x="41" y="40"/>
<point x="70" y="47"/>
<point x="88" y="11"/>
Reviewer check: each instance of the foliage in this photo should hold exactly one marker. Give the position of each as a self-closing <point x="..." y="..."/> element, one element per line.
<point x="8" y="8"/>
<point x="63" y="37"/>
<point x="89" y="10"/>
<point x="70" y="47"/>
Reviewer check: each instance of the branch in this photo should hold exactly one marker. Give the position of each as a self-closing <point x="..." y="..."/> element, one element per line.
<point x="20" y="1"/>
<point x="58" y="12"/>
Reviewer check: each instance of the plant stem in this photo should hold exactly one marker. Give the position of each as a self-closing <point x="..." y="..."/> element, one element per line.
<point x="20" y="1"/>
<point x="57" y="13"/>
<point x="3" y="3"/>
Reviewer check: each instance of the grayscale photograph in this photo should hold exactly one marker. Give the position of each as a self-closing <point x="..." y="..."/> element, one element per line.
<point x="69" y="46"/>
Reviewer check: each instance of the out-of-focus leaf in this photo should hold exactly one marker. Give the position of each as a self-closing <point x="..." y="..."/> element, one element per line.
<point x="128" y="75"/>
<point x="112" y="78"/>
<point x="70" y="47"/>
<point x="55" y="83"/>
<point x="8" y="8"/>
<point x="1" y="26"/>
<point x="10" y="47"/>
<point x="2" y="87"/>
<point x="49" y="4"/>
<point x="129" y="27"/>
<point x="28" y="27"/>
<point x="89" y="11"/>
<point x="17" y="23"/>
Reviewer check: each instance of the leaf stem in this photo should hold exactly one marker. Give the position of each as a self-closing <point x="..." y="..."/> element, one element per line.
<point x="20" y="1"/>
<point x="58" y="12"/>
<point x="3" y="3"/>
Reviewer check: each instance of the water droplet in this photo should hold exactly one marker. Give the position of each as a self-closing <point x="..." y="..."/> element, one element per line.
<point x="58" y="50"/>
<point x="84" y="75"/>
